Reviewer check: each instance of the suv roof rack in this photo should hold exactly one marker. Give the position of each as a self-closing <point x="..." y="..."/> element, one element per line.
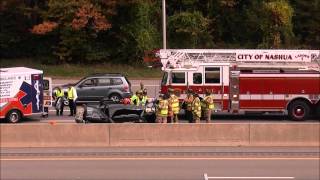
<point x="106" y="74"/>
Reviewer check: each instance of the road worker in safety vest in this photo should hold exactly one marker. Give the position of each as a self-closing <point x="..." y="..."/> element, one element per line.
<point x="136" y="99"/>
<point x="58" y="97"/>
<point x="174" y="107"/>
<point x="208" y="100"/>
<point x="72" y="97"/>
<point x="196" y="108"/>
<point x="162" y="109"/>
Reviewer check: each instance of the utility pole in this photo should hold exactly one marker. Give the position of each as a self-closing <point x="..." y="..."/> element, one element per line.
<point x="164" y="31"/>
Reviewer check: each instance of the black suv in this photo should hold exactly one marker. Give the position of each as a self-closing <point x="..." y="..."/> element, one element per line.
<point x="96" y="87"/>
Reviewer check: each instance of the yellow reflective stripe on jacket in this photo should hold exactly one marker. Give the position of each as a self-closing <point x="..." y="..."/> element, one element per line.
<point x="164" y="112"/>
<point x="210" y="104"/>
<point x="175" y="102"/>
<point x="163" y="108"/>
<point x="175" y="106"/>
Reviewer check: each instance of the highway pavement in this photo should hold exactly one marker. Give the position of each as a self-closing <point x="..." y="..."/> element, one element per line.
<point x="172" y="163"/>
<point x="215" y="119"/>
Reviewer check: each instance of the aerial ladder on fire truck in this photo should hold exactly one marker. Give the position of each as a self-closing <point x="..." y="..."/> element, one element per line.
<point x="289" y="59"/>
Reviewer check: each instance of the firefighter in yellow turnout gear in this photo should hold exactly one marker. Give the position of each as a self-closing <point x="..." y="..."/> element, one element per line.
<point x="174" y="107"/>
<point x="188" y="102"/>
<point x="196" y="109"/>
<point x="209" y="106"/>
<point x="144" y="97"/>
<point x="162" y="111"/>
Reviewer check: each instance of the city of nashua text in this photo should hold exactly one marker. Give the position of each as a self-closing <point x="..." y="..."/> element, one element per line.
<point x="265" y="56"/>
<point x="278" y="56"/>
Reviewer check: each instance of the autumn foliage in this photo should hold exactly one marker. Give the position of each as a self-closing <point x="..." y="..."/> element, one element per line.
<point x="44" y="28"/>
<point x="88" y="16"/>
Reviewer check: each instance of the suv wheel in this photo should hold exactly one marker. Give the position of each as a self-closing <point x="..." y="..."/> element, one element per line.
<point x="115" y="97"/>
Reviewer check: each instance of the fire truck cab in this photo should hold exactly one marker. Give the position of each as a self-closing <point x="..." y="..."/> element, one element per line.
<point x="247" y="81"/>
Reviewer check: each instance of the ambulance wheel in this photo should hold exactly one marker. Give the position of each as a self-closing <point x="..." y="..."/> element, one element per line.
<point x="14" y="116"/>
<point x="299" y="110"/>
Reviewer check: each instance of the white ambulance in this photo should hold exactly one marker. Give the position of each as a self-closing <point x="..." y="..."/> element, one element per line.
<point x="21" y="93"/>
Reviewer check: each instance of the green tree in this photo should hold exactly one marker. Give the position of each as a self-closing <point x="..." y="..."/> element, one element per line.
<point x="306" y="24"/>
<point x="135" y="30"/>
<point x="189" y="30"/>
<point x="277" y="24"/>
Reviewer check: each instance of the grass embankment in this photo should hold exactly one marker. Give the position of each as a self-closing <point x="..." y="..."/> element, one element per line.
<point x="80" y="70"/>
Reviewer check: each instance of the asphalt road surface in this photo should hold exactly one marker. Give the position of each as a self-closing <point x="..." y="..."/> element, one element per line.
<point x="215" y="119"/>
<point x="188" y="163"/>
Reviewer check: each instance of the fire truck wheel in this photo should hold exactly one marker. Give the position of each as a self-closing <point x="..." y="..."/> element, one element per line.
<point x="299" y="110"/>
<point x="13" y="116"/>
<point x="317" y="110"/>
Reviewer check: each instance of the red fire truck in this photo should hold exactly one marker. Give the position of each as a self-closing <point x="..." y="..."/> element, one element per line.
<point x="247" y="81"/>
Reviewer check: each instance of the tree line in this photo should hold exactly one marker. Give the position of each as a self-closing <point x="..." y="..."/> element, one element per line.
<point x="122" y="31"/>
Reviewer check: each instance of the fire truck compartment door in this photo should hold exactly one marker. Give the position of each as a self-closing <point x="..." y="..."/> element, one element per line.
<point x="214" y="80"/>
<point x="234" y="91"/>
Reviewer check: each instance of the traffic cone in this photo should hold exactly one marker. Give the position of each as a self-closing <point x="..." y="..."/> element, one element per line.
<point x="52" y="122"/>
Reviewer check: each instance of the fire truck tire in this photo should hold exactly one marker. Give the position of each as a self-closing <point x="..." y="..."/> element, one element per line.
<point x="317" y="110"/>
<point x="299" y="110"/>
<point x="13" y="116"/>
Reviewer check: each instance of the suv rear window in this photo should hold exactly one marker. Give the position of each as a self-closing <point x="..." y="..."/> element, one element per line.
<point x="109" y="81"/>
<point x="116" y="81"/>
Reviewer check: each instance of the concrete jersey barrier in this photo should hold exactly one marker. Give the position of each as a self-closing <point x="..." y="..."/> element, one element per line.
<point x="122" y="135"/>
